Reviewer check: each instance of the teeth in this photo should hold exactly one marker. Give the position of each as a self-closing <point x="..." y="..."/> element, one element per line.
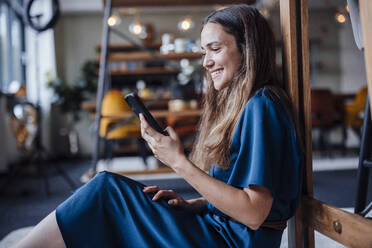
<point x="215" y="73"/>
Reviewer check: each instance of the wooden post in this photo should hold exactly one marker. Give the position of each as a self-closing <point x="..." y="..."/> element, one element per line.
<point x="294" y="24"/>
<point x="365" y="7"/>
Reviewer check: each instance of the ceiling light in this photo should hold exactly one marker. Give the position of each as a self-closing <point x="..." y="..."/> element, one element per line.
<point x="138" y="29"/>
<point x="135" y="28"/>
<point x="114" y="20"/>
<point x="340" y="18"/>
<point x="186" y="24"/>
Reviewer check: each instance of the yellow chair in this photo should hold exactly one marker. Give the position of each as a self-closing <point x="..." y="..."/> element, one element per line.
<point x="354" y="111"/>
<point x="353" y="114"/>
<point x="113" y="104"/>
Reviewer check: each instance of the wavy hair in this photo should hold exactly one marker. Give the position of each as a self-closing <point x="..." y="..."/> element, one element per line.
<point x="222" y="109"/>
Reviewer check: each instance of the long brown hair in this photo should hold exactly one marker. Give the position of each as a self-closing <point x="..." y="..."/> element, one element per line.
<point x="222" y="109"/>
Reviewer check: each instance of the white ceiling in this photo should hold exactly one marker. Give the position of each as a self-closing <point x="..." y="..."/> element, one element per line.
<point x="81" y="5"/>
<point x="68" y="6"/>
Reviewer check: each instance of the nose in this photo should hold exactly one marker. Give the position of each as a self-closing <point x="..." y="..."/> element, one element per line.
<point x="207" y="62"/>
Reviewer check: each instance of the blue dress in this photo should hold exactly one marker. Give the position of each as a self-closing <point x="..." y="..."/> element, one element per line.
<point x="112" y="211"/>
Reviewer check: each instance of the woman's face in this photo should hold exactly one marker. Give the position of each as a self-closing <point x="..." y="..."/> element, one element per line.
<point x="222" y="57"/>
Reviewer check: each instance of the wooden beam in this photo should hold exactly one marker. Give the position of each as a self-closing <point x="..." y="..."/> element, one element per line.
<point x="346" y="228"/>
<point x="294" y="24"/>
<point x="365" y="7"/>
<point x="290" y="57"/>
<point x="131" y="56"/>
<point x="157" y="3"/>
<point x="305" y="103"/>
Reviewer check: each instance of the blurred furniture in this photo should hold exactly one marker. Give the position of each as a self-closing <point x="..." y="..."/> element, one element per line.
<point x="185" y="127"/>
<point x="115" y="111"/>
<point x="353" y="113"/>
<point x="25" y="122"/>
<point x="91" y="107"/>
<point x="112" y="128"/>
<point x="323" y="117"/>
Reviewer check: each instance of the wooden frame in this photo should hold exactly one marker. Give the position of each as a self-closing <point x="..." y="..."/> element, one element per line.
<point x="294" y="25"/>
<point x="349" y="229"/>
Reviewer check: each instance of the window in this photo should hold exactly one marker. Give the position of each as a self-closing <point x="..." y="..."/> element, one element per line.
<point x="12" y="47"/>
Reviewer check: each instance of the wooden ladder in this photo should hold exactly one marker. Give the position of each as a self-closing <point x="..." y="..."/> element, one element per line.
<point x="349" y="229"/>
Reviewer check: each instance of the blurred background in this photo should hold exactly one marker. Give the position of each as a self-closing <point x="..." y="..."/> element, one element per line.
<point x="48" y="102"/>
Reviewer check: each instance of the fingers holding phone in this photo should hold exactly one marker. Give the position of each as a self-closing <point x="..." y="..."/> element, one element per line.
<point x="167" y="149"/>
<point x="147" y="134"/>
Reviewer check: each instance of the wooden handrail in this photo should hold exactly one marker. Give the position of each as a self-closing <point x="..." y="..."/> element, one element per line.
<point x="346" y="228"/>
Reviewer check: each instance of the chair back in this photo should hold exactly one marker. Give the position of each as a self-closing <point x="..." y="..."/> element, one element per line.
<point x="322" y="108"/>
<point x="360" y="99"/>
<point x="113" y="104"/>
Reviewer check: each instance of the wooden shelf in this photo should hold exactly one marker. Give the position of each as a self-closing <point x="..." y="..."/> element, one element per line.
<point x="90" y="106"/>
<point x="145" y="71"/>
<point x="127" y="47"/>
<point x="161" y="113"/>
<point x="156" y="114"/>
<point x="132" y="56"/>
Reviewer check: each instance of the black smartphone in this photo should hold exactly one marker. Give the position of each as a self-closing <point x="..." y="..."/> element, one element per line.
<point x="138" y="107"/>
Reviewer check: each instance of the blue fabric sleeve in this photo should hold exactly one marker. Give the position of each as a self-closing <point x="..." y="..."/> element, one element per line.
<point x="260" y="140"/>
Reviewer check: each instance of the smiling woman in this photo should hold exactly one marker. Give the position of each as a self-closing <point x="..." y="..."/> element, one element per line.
<point x="247" y="141"/>
<point x="222" y="58"/>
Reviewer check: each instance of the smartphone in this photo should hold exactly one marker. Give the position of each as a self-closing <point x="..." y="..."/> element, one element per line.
<point x="138" y="107"/>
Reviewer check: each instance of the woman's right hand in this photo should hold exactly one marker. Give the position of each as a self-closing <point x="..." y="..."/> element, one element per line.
<point x="173" y="198"/>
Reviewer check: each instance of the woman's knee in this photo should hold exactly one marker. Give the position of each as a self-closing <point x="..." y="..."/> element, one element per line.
<point x="100" y="180"/>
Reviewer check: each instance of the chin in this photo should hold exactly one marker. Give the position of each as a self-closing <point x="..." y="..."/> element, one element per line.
<point x="219" y="86"/>
<point x="216" y="87"/>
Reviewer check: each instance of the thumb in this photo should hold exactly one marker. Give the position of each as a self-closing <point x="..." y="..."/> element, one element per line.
<point x="172" y="133"/>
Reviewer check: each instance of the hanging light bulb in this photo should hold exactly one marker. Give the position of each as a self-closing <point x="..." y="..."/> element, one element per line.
<point x="186" y="24"/>
<point x="347" y="8"/>
<point x="340" y="18"/>
<point x="114" y="20"/>
<point x="136" y="28"/>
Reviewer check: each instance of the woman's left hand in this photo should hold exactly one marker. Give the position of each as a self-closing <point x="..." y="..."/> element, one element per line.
<point x="168" y="149"/>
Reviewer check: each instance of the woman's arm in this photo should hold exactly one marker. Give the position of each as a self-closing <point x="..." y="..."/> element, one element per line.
<point x="250" y="206"/>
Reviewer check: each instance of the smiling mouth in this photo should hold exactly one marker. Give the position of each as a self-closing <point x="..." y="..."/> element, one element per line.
<point x="216" y="73"/>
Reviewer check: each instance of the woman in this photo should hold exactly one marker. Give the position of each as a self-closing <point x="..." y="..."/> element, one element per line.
<point x="247" y="141"/>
